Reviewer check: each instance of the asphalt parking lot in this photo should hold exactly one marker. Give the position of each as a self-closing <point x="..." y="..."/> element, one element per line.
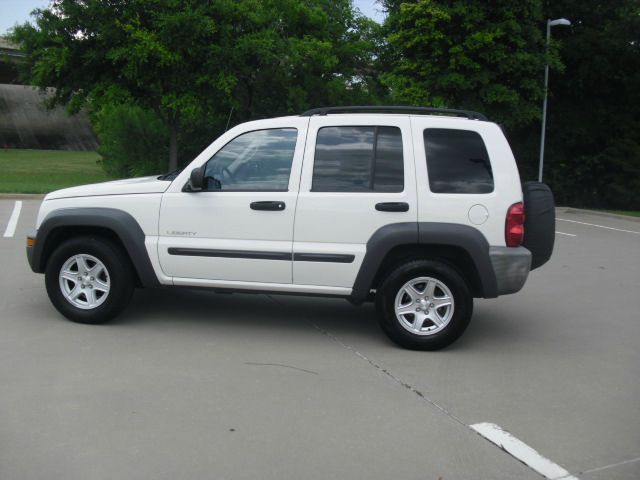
<point x="197" y="385"/>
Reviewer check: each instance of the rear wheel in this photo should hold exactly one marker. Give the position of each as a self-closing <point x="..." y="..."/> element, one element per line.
<point x="424" y="305"/>
<point x="89" y="279"/>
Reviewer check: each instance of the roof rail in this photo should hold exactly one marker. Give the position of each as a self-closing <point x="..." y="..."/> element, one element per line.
<point x="396" y="109"/>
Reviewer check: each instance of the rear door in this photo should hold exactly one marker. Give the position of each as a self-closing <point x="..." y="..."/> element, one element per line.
<point x="358" y="176"/>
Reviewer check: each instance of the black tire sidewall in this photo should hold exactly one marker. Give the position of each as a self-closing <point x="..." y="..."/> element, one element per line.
<point x="540" y="222"/>
<point x="463" y="304"/>
<point x="120" y="275"/>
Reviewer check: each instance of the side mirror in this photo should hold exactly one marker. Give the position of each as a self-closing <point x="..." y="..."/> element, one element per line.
<point x="196" y="180"/>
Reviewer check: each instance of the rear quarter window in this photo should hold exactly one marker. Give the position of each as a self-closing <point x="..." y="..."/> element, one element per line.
<point x="457" y="161"/>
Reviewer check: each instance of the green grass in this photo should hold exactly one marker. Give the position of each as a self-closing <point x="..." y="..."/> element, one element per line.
<point x="630" y="213"/>
<point x="42" y="171"/>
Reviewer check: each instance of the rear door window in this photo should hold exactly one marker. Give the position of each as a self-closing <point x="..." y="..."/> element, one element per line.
<point x="358" y="159"/>
<point x="457" y="161"/>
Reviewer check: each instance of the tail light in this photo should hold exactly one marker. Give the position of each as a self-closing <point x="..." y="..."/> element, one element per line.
<point x="514" y="225"/>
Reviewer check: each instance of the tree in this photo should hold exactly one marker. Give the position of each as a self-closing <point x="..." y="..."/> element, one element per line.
<point x="147" y="52"/>
<point x="297" y="55"/>
<point x="593" y="150"/>
<point x="490" y="56"/>
<point x="131" y="141"/>
<point x="187" y="60"/>
<point x="474" y="54"/>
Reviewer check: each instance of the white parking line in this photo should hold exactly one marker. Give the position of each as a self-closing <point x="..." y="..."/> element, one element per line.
<point x="522" y="451"/>
<point x="13" y="220"/>
<point x="567" y="234"/>
<point x="599" y="226"/>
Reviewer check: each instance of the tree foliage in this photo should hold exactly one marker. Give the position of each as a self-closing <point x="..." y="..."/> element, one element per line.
<point x="490" y="56"/>
<point x="472" y="54"/>
<point x="593" y="150"/>
<point x="301" y="54"/>
<point x="188" y="60"/>
<point x="195" y="65"/>
<point x="131" y="141"/>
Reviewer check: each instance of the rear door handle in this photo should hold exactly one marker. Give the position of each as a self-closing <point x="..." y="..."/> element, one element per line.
<point x="275" y="206"/>
<point x="392" y="207"/>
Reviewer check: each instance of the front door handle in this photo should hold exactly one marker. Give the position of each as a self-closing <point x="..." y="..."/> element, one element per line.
<point x="274" y="206"/>
<point x="392" y="207"/>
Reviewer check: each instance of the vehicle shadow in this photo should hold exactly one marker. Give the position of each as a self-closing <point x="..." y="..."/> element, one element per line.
<point x="255" y="312"/>
<point x="492" y="325"/>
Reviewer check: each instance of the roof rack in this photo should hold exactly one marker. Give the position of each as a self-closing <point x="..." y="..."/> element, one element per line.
<point x="396" y="109"/>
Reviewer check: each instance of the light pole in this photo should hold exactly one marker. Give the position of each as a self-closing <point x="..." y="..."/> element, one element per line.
<point x="550" y="23"/>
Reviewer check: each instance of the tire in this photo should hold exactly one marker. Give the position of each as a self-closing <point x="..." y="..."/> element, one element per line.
<point x="109" y="281"/>
<point x="402" y="329"/>
<point x="539" y="223"/>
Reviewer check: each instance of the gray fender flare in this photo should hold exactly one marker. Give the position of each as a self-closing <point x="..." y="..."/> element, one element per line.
<point x="425" y="233"/>
<point x="122" y="224"/>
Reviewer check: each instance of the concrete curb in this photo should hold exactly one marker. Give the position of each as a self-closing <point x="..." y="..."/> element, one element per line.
<point x="571" y="210"/>
<point x="22" y="196"/>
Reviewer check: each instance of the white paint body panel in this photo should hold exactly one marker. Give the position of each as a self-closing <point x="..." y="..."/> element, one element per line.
<point x="343" y="222"/>
<point x="224" y="220"/>
<point x="138" y="185"/>
<point x="143" y="208"/>
<point x="151" y="244"/>
<point x="219" y="268"/>
<point x="263" y="286"/>
<point x="454" y="208"/>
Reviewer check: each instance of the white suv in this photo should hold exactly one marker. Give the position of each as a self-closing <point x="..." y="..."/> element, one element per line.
<point x="418" y="209"/>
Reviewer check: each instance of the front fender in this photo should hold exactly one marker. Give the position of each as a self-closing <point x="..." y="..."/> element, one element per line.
<point x="122" y="224"/>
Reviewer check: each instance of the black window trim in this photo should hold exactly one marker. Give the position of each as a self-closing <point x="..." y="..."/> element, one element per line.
<point x="276" y="190"/>
<point x="374" y="151"/>
<point x="376" y="127"/>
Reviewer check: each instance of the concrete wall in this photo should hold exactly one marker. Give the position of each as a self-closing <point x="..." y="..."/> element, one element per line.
<point x="26" y="123"/>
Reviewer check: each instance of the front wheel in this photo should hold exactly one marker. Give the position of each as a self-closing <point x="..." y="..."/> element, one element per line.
<point x="89" y="279"/>
<point x="424" y="305"/>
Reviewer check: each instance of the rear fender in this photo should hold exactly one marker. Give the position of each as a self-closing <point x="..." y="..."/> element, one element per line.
<point x="388" y="237"/>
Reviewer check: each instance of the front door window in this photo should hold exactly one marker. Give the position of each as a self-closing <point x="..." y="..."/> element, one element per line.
<point x="257" y="161"/>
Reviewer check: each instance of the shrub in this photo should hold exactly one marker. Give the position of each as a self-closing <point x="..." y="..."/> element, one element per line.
<point x="133" y="141"/>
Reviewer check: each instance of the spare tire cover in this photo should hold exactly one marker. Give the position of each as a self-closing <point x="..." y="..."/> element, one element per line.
<point x="540" y="222"/>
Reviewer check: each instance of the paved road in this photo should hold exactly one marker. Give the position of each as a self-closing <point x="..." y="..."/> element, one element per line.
<point x="191" y="384"/>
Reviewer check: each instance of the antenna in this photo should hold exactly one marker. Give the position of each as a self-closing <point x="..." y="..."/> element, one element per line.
<point x="228" y="119"/>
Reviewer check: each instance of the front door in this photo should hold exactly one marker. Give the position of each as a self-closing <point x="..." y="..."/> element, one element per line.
<point x="240" y="227"/>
